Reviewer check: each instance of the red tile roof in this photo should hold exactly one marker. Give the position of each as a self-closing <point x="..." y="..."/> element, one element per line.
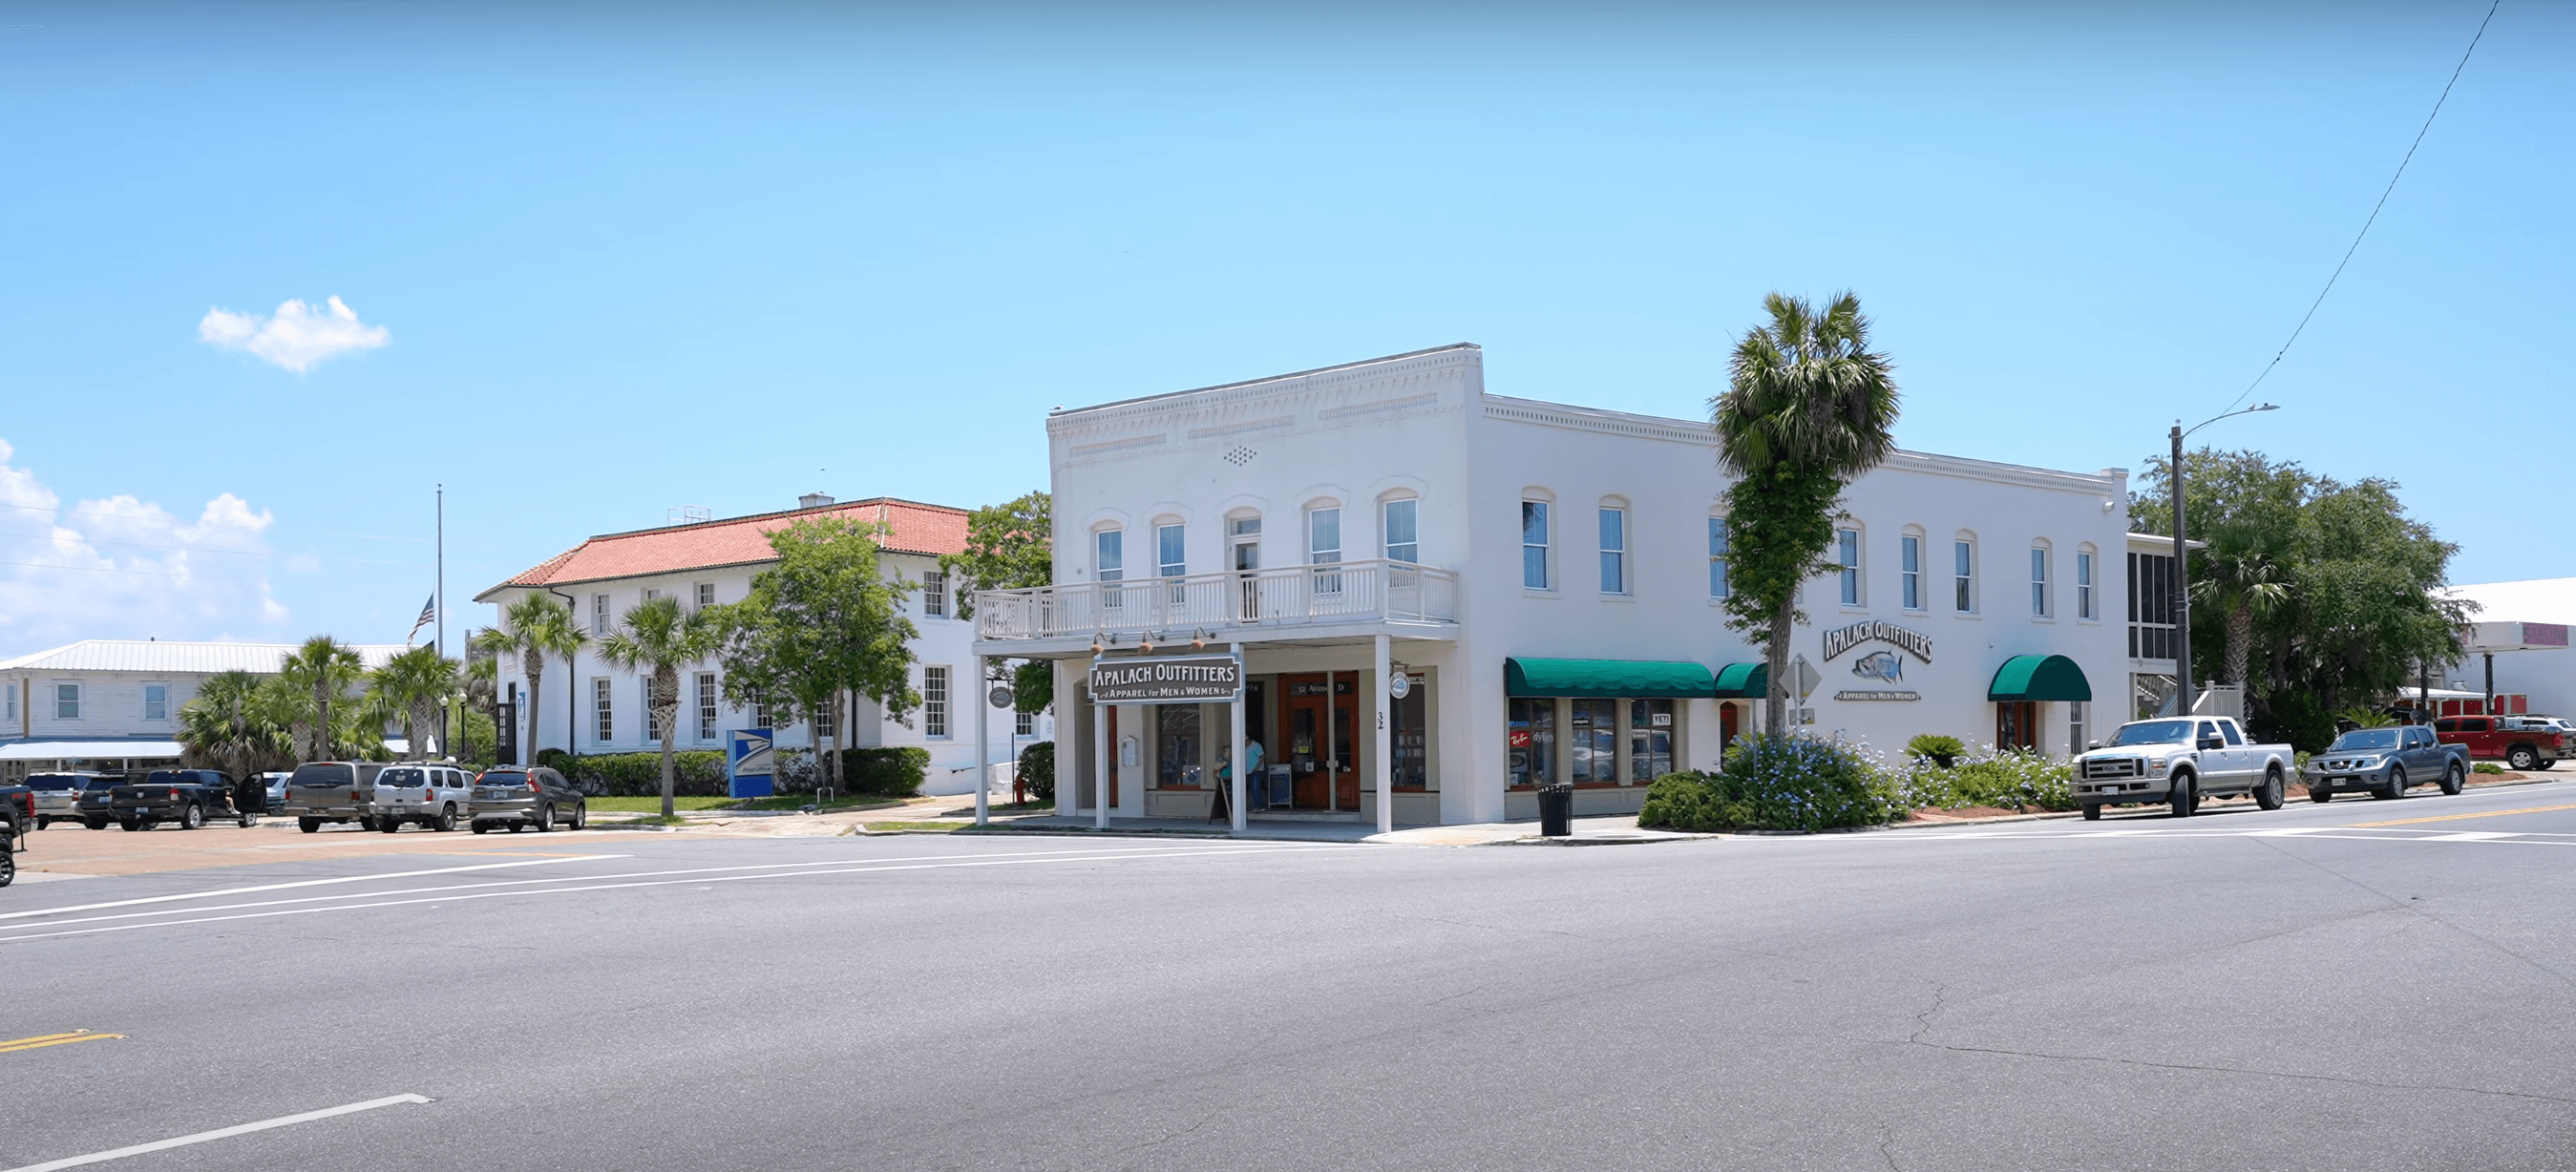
<point x="911" y="527"/>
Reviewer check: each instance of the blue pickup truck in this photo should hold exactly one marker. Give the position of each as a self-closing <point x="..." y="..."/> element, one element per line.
<point x="2385" y="762"/>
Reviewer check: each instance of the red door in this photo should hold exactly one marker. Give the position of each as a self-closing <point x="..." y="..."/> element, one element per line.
<point x="1318" y="720"/>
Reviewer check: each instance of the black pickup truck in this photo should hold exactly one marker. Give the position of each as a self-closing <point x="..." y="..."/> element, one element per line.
<point x="17" y="816"/>
<point x="185" y="796"/>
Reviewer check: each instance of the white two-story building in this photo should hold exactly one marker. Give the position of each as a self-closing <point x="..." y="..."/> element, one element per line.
<point x="113" y="704"/>
<point x="592" y="707"/>
<point x="1547" y="579"/>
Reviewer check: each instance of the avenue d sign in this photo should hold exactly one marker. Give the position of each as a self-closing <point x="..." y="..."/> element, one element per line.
<point x="1181" y="679"/>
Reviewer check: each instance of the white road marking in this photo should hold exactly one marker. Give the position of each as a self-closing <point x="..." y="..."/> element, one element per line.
<point x="595" y="886"/>
<point x="2470" y="836"/>
<point x="300" y="883"/>
<point x="222" y="1133"/>
<point x="816" y="866"/>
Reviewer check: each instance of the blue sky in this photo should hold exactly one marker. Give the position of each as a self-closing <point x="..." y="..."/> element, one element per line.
<point x="627" y="258"/>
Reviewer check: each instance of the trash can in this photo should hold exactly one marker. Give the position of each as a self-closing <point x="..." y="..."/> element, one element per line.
<point x="1556" y="810"/>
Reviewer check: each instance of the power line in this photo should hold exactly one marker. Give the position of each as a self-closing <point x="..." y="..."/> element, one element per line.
<point x="2374" y="209"/>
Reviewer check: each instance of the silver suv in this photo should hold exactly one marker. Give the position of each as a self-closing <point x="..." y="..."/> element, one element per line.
<point x="433" y="795"/>
<point x="520" y="797"/>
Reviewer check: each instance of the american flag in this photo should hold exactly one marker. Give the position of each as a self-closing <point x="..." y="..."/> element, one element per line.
<point x="428" y="615"/>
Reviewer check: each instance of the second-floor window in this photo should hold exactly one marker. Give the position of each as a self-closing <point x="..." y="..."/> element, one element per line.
<point x="1324" y="546"/>
<point x="2039" y="581"/>
<point x="1403" y="538"/>
<point x="1963" y="573"/>
<point x="1614" y="551"/>
<point x="600" y="623"/>
<point x="156" y="701"/>
<point x="67" y="701"/>
<point x="2084" y="588"/>
<point x="11" y="709"/>
<point x="1534" y="545"/>
<point x="1909" y="567"/>
<point x="1109" y="561"/>
<point x="1171" y="551"/>
<point x="1847" y="557"/>
<point x="1719" y="552"/>
<point x="934" y="594"/>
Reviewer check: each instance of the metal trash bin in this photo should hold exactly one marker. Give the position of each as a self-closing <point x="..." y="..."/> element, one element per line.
<point x="1556" y="810"/>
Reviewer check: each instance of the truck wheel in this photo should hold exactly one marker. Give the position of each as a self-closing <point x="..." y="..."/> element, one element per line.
<point x="2186" y="796"/>
<point x="2523" y="758"/>
<point x="8" y="865"/>
<point x="2273" y="792"/>
<point x="2396" y="787"/>
<point x="2093" y="812"/>
<point x="2453" y="780"/>
<point x="192" y="817"/>
<point x="446" y="819"/>
<point x="309" y="825"/>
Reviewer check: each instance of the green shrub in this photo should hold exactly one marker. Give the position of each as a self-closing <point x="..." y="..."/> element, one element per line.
<point x="1036" y="773"/>
<point x="2487" y="767"/>
<point x="1944" y="751"/>
<point x="2018" y="779"/>
<point x="1793" y="782"/>
<point x="893" y="773"/>
<point x="695" y="773"/>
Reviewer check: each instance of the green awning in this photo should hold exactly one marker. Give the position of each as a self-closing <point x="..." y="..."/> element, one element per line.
<point x="1745" y="680"/>
<point x="1644" y="679"/>
<point x="2039" y="677"/>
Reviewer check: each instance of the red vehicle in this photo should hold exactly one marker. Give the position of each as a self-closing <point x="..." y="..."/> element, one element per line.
<point x="2522" y="744"/>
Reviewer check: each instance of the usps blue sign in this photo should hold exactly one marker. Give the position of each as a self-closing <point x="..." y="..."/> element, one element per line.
<point x="751" y="764"/>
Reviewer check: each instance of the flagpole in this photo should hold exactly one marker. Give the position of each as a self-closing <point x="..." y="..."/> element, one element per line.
<point x="438" y="598"/>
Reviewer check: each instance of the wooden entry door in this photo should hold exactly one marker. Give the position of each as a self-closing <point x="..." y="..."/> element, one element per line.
<point x="2016" y="724"/>
<point x="1319" y="720"/>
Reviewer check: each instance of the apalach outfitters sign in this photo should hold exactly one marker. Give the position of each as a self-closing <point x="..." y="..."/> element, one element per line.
<point x="1842" y="639"/>
<point x="1163" y="681"/>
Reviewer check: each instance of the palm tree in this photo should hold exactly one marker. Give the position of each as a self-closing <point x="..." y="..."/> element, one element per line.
<point x="230" y="725"/>
<point x="325" y="670"/>
<point x="1808" y="407"/>
<point x="2245" y="584"/>
<point x="413" y="684"/>
<point x="481" y="694"/>
<point x="531" y="628"/>
<point x="660" y="638"/>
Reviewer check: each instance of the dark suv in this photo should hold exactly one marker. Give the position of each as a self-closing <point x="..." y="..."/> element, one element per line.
<point x="518" y="796"/>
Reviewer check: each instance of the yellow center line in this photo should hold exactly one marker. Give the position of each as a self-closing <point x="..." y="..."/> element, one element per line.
<point x="2454" y="817"/>
<point x="43" y="1040"/>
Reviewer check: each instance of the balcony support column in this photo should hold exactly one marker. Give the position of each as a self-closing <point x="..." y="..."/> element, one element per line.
<point x="1240" y="785"/>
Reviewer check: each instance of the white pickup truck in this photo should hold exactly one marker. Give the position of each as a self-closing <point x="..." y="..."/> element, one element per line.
<point x="2178" y="761"/>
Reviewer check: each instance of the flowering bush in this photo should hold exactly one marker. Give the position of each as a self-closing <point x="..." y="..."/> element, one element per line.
<point x="2014" y="778"/>
<point x="1789" y="782"/>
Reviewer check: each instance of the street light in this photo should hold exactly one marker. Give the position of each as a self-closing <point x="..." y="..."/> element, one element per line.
<point x="2183" y="701"/>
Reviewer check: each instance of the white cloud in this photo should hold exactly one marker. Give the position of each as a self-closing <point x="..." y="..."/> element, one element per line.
<point x="122" y="568"/>
<point x="297" y="338"/>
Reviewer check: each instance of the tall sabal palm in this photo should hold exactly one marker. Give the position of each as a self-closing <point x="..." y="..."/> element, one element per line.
<point x="532" y="628"/>
<point x="230" y="725"/>
<point x="1808" y="407"/>
<point x="2243" y="583"/>
<point x="480" y="693"/>
<point x="659" y="638"/>
<point x="414" y="684"/>
<point x="325" y="671"/>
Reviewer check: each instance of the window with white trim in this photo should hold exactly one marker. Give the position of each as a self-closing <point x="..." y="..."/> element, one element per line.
<point x="1109" y="563"/>
<point x="652" y="711"/>
<point x="1847" y="565"/>
<point x="706" y="595"/>
<point x="1024" y="724"/>
<point x="156" y="701"/>
<point x="1909" y="569"/>
<point x="934" y="594"/>
<point x="1171" y="560"/>
<point x="706" y="706"/>
<point x="760" y="714"/>
<point x="1614" y="550"/>
<point x="603" y="701"/>
<point x="599" y="620"/>
<point x="1963" y="575"/>
<point x="1403" y="532"/>
<point x="1720" y="552"/>
<point x="2039" y="581"/>
<point x="11" y="709"/>
<point x="1324" y="546"/>
<point x="67" y="699"/>
<point x="934" y="701"/>
<point x="1534" y="545"/>
<point x="827" y="720"/>
<point x="2084" y="585"/>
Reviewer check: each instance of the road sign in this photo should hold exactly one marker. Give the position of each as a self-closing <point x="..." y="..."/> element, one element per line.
<point x="1803" y="675"/>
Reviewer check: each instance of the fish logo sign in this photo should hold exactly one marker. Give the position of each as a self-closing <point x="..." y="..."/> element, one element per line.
<point x="1880" y="665"/>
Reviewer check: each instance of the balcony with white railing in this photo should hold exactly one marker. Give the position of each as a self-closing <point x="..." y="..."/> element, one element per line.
<point x="1292" y="602"/>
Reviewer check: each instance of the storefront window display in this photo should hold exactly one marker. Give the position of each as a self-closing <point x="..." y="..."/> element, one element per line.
<point x="1596" y="742"/>
<point x="1176" y="756"/>
<point x="1409" y="727"/>
<point x="1533" y="741"/>
<point x="1650" y="740"/>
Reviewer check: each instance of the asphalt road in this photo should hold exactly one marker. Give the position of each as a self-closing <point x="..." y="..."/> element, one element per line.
<point x="2242" y="990"/>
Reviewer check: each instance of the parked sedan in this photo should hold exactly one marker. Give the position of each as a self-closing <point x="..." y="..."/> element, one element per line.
<point x="517" y="796"/>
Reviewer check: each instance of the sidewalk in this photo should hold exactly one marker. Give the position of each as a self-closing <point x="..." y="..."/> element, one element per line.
<point x="1606" y="831"/>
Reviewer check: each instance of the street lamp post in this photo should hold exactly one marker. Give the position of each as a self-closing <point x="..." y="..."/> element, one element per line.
<point x="2182" y="562"/>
